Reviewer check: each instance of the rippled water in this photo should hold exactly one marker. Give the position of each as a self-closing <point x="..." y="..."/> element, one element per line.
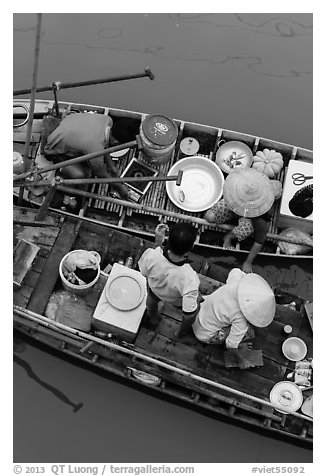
<point x="246" y="72"/>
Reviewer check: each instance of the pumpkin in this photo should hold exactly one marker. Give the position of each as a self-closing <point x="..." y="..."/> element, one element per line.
<point x="268" y="161"/>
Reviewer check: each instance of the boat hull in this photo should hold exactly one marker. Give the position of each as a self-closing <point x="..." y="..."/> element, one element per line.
<point x="183" y="368"/>
<point x="155" y="205"/>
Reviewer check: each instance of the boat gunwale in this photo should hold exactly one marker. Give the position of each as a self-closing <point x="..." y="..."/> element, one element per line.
<point x="42" y="320"/>
<point x="177" y="397"/>
<point x="215" y="128"/>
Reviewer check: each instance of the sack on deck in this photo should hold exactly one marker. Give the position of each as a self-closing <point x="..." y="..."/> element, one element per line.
<point x="293" y="249"/>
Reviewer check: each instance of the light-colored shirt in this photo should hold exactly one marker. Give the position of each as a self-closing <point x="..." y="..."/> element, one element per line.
<point x="170" y="282"/>
<point x="80" y="134"/>
<point x="221" y="309"/>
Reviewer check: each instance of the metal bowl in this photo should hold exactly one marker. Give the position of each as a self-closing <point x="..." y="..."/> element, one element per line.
<point x="233" y="155"/>
<point x="294" y="349"/>
<point x="201" y="186"/>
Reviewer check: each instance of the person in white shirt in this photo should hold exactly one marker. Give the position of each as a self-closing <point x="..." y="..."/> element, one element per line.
<point x="224" y="315"/>
<point x="170" y="278"/>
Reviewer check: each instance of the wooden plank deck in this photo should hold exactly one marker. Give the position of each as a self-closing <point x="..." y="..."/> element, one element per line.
<point x="44" y="238"/>
<point x="50" y="272"/>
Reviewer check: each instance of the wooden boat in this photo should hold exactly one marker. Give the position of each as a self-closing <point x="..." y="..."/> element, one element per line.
<point x="141" y="217"/>
<point x="152" y="358"/>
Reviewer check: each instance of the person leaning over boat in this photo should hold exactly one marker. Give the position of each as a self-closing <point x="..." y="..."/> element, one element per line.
<point x="248" y="194"/>
<point x="170" y="278"/>
<point x="225" y="315"/>
<point x="83" y="133"/>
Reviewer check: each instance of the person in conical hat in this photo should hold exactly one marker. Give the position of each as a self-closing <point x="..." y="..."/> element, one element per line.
<point x="248" y="194"/>
<point x="226" y="315"/>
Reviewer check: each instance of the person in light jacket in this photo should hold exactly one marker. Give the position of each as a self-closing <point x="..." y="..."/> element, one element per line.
<point x="170" y="278"/>
<point x="226" y="314"/>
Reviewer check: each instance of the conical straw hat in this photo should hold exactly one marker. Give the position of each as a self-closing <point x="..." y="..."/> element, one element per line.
<point x="256" y="300"/>
<point x="248" y="192"/>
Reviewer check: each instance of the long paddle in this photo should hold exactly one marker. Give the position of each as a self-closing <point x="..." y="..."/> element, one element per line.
<point x="147" y="73"/>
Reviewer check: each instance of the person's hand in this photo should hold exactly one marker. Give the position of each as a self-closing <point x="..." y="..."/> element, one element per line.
<point x="161" y="232"/>
<point x="247" y="267"/>
<point x="245" y="346"/>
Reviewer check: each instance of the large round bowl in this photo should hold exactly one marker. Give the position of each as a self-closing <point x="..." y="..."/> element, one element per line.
<point x="201" y="186"/>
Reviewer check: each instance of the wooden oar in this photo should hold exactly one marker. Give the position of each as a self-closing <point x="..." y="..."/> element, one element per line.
<point x="147" y="73"/>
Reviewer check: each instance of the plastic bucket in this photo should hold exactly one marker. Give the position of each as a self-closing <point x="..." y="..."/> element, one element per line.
<point x="82" y="289"/>
<point x="158" y="135"/>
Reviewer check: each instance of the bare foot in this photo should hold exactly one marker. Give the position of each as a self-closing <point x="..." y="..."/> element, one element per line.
<point x="227" y="242"/>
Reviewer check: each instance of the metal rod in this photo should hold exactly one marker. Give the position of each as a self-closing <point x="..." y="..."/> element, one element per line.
<point x="45" y="321"/>
<point x="147" y="73"/>
<point x="92" y="180"/>
<point x="56" y="105"/>
<point x="32" y="101"/>
<point x="77" y="160"/>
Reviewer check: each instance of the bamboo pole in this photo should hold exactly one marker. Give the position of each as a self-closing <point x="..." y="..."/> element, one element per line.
<point x="32" y="101"/>
<point x="80" y="159"/>
<point x="146" y="73"/>
<point x="160" y="211"/>
<point x="33" y="316"/>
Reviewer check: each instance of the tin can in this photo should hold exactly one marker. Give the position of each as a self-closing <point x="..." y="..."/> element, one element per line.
<point x="287" y="329"/>
<point x="158" y="135"/>
<point x="129" y="261"/>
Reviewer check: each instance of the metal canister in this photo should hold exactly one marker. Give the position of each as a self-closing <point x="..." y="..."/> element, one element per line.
<point x="18" y="163"/>
<point x="158" y="135"/>
<point x="287" y="329"/>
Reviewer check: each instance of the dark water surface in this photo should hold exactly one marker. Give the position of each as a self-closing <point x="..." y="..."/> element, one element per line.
<point x="246" y="72"/>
